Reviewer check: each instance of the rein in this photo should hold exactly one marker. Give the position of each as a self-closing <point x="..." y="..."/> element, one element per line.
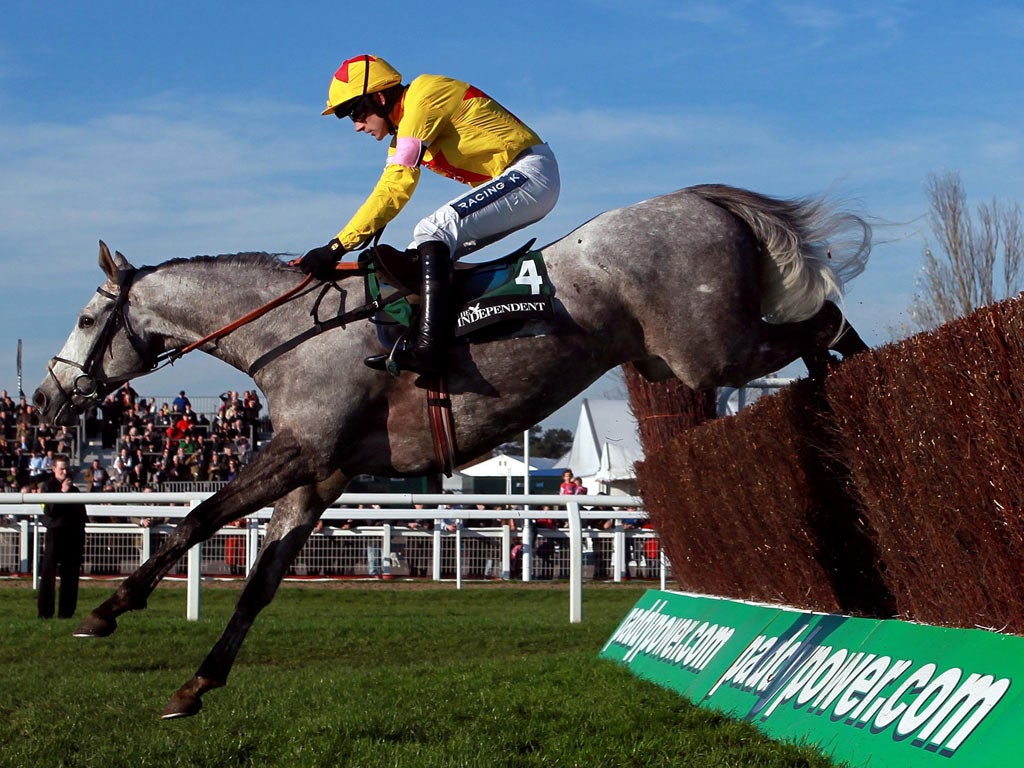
<point x="244" y="320"/>
<point x="88" y="384"/>
<point x="171" y="356"/>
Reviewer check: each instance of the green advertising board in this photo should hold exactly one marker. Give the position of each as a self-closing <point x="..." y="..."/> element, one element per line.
<point x="867" y="691"/>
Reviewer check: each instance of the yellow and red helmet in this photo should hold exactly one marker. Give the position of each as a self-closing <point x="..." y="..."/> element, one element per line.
<point x="357" y="77"/>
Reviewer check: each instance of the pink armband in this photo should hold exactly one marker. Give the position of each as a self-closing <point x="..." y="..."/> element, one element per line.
<point x="408" y="152"/>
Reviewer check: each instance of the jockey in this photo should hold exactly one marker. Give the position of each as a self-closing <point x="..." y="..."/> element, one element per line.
<point x="455" y="130"/>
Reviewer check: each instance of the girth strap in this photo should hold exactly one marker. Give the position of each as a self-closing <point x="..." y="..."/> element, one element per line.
<point x="439" y="410"/>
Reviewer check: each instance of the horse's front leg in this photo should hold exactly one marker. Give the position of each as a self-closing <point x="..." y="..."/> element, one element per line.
<point x="267" y="478"/>
<point x="289" y="528"/>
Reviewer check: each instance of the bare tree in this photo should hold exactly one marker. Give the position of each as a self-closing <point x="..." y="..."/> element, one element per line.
<point x="970" y="256"/>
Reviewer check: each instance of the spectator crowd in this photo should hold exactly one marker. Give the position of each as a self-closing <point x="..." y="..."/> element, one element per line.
<point x="151" y="444"/>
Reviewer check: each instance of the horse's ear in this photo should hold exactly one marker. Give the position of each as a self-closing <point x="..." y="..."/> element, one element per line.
<point x="111" y="265"/>
<point x="107" y="262"/>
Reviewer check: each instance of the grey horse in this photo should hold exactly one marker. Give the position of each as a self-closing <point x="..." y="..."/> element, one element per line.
<point x="711" y="284"/>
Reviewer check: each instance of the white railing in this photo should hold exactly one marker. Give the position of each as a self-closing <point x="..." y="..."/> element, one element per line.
<point x="487" y="552"/>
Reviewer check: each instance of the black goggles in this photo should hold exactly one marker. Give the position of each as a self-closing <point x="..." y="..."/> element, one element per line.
<point x="357" y="110"/>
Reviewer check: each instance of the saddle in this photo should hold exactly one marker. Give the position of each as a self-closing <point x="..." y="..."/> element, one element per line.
<point x="507" y="297"/>
<point x="503" y="298"/>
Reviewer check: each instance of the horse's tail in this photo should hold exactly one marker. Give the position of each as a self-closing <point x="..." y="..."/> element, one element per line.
<point x="814" y="249"/>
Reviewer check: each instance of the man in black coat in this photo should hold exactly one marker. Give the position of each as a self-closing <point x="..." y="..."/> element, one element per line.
<point x="65" y="545"/>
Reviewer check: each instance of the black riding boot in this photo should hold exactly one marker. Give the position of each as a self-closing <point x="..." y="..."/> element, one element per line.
<point x="427" y="356"/>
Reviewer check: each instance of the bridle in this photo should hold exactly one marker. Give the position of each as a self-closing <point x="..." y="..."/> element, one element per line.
<point x="90" y="383"/>
<point x="90" y="386"/>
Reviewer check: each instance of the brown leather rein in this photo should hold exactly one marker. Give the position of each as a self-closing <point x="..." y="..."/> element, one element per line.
<point x="284" y="298"/>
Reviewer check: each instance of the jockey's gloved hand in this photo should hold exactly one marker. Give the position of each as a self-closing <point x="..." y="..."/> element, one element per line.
<point x="320" y="262"/>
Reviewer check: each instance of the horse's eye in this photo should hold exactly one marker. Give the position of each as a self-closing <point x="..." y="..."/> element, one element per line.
<point x="85" y="322"/>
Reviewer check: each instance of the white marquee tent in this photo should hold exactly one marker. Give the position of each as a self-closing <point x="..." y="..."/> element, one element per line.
<point x="605" y="447"/>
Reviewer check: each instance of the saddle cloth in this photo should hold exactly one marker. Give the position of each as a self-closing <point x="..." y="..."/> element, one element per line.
<point x="505" y="298"/>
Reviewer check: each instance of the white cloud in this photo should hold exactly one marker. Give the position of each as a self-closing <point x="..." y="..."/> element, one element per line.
<point x="173" y="175"/>
<point x="813" y="15"/>
<point x="1004" y="21"/>
<point x="707" y="13"/>
<point x="178" y="178"/>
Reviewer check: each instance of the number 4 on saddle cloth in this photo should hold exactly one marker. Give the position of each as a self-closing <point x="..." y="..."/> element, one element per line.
<point x="505" y="298"/>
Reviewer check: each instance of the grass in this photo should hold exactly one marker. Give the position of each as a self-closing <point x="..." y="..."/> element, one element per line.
<point x="389" y="676"/>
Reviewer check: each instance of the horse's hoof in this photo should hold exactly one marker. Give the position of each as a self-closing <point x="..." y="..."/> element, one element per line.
<point x="187" y="700"/>
<point x="181" y="705"/>
<point x="95" y="626"/>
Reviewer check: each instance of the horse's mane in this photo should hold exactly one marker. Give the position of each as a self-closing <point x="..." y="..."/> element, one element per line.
<point x="244" y="259"/>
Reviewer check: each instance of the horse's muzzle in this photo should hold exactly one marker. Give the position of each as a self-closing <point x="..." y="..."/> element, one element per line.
<point x="54" y="408"/>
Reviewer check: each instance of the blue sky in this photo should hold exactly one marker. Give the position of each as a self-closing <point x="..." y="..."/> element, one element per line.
<point x="175" y="129"/>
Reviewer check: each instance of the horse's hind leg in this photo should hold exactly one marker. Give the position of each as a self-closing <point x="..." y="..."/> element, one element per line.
<point x="849" y="342"/>
<point x="775" y="346"/>
<point x="270" y="476"/>
<point x="289" y="528"/>
<point x="830" y="331"/>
